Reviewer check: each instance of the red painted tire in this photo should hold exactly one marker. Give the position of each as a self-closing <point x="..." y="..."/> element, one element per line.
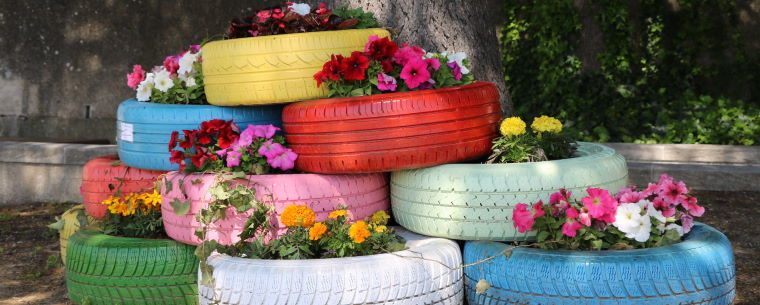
<point x="394" y="131"/>
<point x="362" y="195"/>
<point x="101" y="172"/>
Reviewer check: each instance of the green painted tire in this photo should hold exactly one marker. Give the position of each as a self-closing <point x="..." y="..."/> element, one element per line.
<point x="475" y="201"/>
<point x="103" y="269"/>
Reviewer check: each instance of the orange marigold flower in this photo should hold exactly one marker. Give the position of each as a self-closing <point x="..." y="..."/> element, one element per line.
<point x="337" y="213"/>
<point x="317" y="231"/>
<point x="359" y="232"/>
<point x="297" y="216"/>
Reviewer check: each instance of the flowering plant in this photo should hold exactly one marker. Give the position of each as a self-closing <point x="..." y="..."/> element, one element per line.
<point x="656" y="216"/>
<point x="306" y="238"/>
<point x="545" y="142"/>
<point x="383" y="64"/>
<point x="299" y="18"/>
<point x="134" y="215"/>
<point x="220" y="146"/>
<point x="178" y="81"/>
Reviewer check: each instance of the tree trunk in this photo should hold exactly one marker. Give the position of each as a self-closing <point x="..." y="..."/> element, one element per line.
<point x="455" y="25"/>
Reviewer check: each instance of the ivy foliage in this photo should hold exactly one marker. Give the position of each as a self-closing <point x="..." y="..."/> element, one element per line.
<point x="668" y="72"/>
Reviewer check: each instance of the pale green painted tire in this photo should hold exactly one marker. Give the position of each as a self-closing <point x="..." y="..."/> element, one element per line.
<point x="475" y="201"/>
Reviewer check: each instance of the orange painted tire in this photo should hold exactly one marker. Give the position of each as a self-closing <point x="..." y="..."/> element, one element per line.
<point x="393" y="131"/>
<point x="103" y="175"/>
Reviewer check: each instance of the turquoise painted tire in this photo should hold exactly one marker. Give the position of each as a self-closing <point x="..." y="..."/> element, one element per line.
<point x="475" y="201"/>
<point x="143" y="129"/>
<point x="698" y="270"/>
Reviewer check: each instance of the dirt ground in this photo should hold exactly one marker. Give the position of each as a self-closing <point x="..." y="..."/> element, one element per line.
<point x="31" y="271"/>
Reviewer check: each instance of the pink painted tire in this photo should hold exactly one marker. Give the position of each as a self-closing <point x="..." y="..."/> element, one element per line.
<point x="361" y="194"/>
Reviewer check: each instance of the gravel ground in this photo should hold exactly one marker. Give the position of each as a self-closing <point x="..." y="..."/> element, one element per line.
<point x="31" y="271"/>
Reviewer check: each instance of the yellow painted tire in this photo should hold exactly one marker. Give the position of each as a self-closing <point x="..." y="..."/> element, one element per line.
<point x="274" y="69"/>
<point x="72" y="222"/>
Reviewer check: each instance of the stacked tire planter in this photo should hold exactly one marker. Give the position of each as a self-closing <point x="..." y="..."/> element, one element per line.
<point x="362" y="195"/>
<point x="103" y="269"/>
<point x="103" y="176"/>
<point x="144" y="129"/>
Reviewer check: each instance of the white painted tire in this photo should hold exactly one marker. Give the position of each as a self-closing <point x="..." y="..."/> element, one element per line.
<point x="372" y="279"/>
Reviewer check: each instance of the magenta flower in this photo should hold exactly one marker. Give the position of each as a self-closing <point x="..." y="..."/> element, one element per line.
<point x="386" y="82"/>
<point x="407" y="53"/>
<point x="686" y="222"/>
<point x="415" y="72"/>
<point x="137" y="76"/>
<point x="571" y="213"/>
<point x="600" y="205"/>
<point x="428" y="84"/>
<point x="571" y="227"/>
<point x="584" y="217"/>
<point x="538" y="209"/>
<point x="233" y="158"/>
<point x="171" y="64"/>
<point x="455" y="70"/>
<point x="522" y="218"/>
<point x="246" y="137"/>
<point x="271" y="150"/>
<point x="433" y="62"/>
<point x="694" y="209"/>
<point x="265" y="131"/>
<point x="195" y="48"/>
<point x="284" y="161"/>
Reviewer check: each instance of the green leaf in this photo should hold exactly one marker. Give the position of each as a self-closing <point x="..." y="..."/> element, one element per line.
<point x="542" y="236"/>
<point x="180" y="207"/>
<point x="116" y="163"/>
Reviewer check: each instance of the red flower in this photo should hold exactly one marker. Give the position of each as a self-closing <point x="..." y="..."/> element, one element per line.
<point x="173" y="140"/>
<point x="213" y="126"/>
<point x="201" y="155"/>
<point x="355" y="67"/>
<point x="177" y="156"/>
<point x="383" y="51"/>
<point x="203" y="138"/>
<point x="277" y="13"/>
<point x="189" y="140"/>
<point x="323" y="10"/>
<point x="226" y="138"/>
<point x="330" y="70"/>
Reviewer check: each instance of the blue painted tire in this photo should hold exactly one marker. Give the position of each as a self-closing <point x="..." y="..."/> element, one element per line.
<point x="152" y="124"/>
<point x="698" y="270"/>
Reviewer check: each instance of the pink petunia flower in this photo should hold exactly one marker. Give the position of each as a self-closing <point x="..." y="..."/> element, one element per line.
<point x="233" y="158"/>
<point x="433" y="62"/>
<point x="270" y="150"/>
<point x="284" y="161"/>
<point x="246" y="137"/>
<point x="571" y="227"/>
<point x="694" y="209"/>
<point x="686" y="222"/>
<point x="264" y="131"/>
<point x="673" y="192"/>
<point x="386" y="82"/>
<point x="522" y="218"/>
<point x="455" y="70"/>
<point x="538" y="209"/>
<point x="667" y="209"/>
<point x="407" y="53"/>
<point x="137" y="76"/>
<point x="415" y="72"/>
<point x="571" y="213"/>
<point x="650" y="190"/>
<point x="584" y="217"/>
<point x="600" y="205"/>
<point x="171" y="64"/>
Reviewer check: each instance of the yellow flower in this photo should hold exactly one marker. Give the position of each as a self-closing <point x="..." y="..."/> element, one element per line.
<point x="380" y="217"/>
<point x="359" y="232"/>
<point x="297" y="216"/>
<point x="151" y="199"/>
<point x="546" y="124"/>
<point x="380" y="229"/>
<point x="337" y="213"/>
<point x="317" y="231"/>
<point x="512" y="126"/>
<point x="110" y="200"/>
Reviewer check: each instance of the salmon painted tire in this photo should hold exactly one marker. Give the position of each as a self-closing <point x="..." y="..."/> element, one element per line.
<point x="698" y="270"/>
<point x="393" y="131"/>
<point x="427" y="272"/>
<point x="103" y="176"/>
<point x="104" y="269"/>
<point x="361" y="195"/>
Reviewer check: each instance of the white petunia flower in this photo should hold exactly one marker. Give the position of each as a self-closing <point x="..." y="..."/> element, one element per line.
<point x="641" y="233"/>
<point x="300" y="8"/>
<point x="627" y="217"/>
<point x="190" y="81"/>
<point x="186" y="63"/>
<point x="163" y="80"/>
<point x="676" y="227"/>
<point x="458" y="57"/>
<point x="144" y="90"/>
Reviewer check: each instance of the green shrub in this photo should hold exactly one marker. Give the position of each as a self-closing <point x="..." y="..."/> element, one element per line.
<point x="665" y="75"/>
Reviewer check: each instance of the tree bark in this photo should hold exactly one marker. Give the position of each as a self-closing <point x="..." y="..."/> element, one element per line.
<point x="454" y="25"/>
